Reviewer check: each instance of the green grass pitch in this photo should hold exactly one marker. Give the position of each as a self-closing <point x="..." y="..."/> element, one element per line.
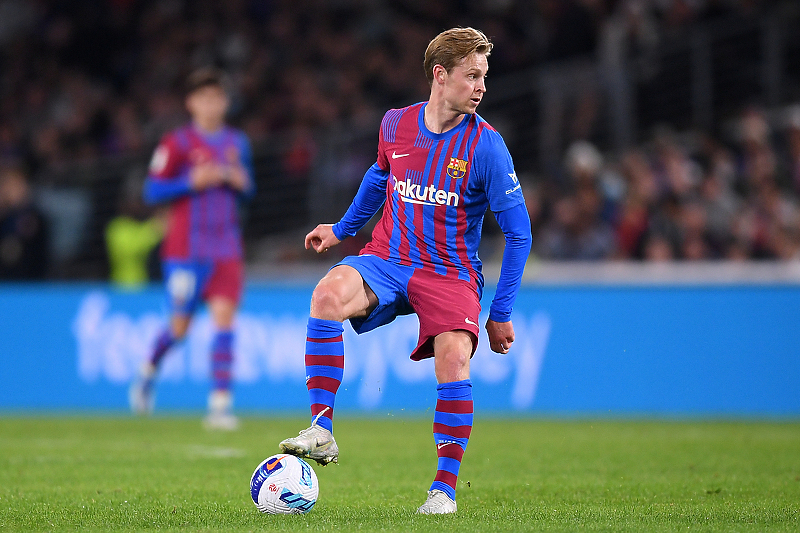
<point x="167" y="473"/>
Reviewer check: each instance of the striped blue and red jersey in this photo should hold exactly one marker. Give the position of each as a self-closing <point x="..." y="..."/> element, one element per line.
<point x="202" y="225"/>
<point x="436" y="189"/>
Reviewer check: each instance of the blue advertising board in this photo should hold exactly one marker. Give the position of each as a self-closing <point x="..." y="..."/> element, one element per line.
<point x="580" y="350"/>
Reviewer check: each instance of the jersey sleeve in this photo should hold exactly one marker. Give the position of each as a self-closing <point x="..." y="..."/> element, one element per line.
<point x="246" y="160"/>
<point x="498" y="178"/>
<point x="516" y="226"/>
<point x="167" y="179"/>
<point x="370" y="197"/>
<point x="495" y="171"/>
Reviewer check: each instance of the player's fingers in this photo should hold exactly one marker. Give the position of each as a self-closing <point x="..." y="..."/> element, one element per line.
<point x="320" y="246"/>
<point x="499" y="347"/>
<point x="313" y="239"/>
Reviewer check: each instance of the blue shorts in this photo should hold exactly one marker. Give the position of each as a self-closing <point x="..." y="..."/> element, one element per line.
<point x="189" y="282"/>
<point x="389" y="282"/>
<point x="441" y="303"/>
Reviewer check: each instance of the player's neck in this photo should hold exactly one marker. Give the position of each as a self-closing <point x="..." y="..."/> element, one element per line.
<point x="438" y="118"/>
<point x="208" y="127"/>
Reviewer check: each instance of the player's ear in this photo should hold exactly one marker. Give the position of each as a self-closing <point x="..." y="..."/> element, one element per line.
<point x="439" y="73"/>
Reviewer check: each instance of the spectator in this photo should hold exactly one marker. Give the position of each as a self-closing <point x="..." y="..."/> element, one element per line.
<point x="132" y="237"/>
<point x="23" y="233"/>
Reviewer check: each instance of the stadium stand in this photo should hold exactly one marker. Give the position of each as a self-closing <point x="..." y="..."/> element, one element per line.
<point x="642" y="129"/>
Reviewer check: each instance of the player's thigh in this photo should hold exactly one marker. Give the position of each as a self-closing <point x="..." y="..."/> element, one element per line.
<point x="342" y="294"/>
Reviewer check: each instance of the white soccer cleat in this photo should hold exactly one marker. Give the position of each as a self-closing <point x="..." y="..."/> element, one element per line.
<point x="141" y="396"/>
<point x="315" y="443"/>
<point x="220" y="417"/>
<point x="437" y="503"/>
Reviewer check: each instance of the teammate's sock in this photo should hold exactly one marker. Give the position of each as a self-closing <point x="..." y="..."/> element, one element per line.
<point x="163" y="343"/>
<point x="222" y="360"/>
<point x="452" y="424"/>
<point x="324" y="367"/>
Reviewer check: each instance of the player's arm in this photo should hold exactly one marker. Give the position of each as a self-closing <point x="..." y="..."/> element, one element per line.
<point x="239" y="174"/>
<point x="370" y="197"/>
<point x="164" y="181"/>
<point x="167" y="180"/>
<point x="516" y="226"/>
<point x="496" y="174"/>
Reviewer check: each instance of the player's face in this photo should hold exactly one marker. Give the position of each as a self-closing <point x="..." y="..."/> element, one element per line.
<point x="465" y="84"/>
<point x="208" y="106"/>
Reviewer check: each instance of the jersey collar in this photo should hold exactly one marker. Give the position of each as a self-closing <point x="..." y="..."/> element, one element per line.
<point x="439" y="136"/>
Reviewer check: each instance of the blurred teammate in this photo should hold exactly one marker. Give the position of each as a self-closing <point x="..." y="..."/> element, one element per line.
<point x="200" y="170"/>
<point x="439" y="166"/>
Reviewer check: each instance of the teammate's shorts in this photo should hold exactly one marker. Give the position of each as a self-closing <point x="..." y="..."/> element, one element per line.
<point x="442" y="304"/>
<point x="189" y="282"/>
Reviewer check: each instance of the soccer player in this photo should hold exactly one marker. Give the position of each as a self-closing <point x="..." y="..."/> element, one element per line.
<point x="439" y="166"/>
<point x="200" y="170"/>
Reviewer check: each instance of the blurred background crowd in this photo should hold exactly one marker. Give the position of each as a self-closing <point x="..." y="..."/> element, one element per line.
<point x="648" y="130"/>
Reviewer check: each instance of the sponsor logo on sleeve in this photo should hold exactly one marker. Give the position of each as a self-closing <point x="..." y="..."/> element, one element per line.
<point x="513" y="176"/>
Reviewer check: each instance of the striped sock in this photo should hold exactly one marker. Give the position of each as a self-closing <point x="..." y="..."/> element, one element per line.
<point x="163" y="343"/>
<point x="452" y="424"/>
<point x="324" y="367"/>
<point x="222" y="360"/>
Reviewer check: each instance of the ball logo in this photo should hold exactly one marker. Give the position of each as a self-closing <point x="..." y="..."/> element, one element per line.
<point x="457" y="168"/>
<point x="272" y="487"/>
<point x="274" y="465"/>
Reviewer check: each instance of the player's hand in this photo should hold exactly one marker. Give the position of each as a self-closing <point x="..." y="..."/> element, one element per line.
<point x="206" y="175"/>
<point x="501" y="335"/>
<point x="236" y="178"/>
<point x="321" y="238"/>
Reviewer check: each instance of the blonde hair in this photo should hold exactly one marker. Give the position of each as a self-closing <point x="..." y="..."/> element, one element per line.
<point x="453" y="45"/>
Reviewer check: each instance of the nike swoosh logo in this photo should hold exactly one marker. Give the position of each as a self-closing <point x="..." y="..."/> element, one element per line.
<point x="468" y="321"/>
<point x="395" y="155"/>
<point x="442" y="445"/>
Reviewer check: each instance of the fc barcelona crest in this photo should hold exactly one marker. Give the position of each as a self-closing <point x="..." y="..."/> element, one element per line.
<point x="457" y="168"/>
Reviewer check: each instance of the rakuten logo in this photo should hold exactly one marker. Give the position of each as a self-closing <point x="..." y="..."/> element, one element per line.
<point x="417" y="194"/>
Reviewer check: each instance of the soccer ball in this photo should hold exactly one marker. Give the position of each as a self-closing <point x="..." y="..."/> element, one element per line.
<point x="284" y="484"/>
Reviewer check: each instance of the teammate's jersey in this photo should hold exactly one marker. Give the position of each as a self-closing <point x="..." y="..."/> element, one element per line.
<point x="437" y="190"/>
<point x="203" y="224"/>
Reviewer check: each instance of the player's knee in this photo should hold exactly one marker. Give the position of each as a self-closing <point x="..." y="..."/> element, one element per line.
<point x="455" y="359"/>
<point x="451" y="366"/>
<point x="327" y="302"/>
<point x="179" y="327"/>
<point x="179" y="332"/>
